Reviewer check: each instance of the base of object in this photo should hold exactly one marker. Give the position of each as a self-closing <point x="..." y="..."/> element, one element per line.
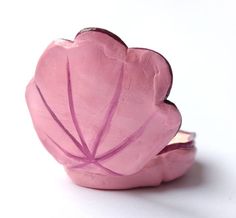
<point x="172" y="162"/>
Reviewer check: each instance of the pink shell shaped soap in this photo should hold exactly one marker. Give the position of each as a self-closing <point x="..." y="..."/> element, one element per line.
<point x="101" y="109"/>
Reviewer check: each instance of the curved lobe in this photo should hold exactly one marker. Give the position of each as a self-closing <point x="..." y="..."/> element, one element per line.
<point x="110" y="112"/>
<point x="72" y="110"/>
<point x="59" y="122"/>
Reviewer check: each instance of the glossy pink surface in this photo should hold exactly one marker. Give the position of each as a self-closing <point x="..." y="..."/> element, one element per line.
<point x="100" y="109"/>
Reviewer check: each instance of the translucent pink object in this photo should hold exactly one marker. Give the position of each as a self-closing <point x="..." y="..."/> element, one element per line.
<point x="101" y="109"/>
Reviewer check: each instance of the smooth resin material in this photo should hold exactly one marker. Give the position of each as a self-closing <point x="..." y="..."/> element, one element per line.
<point x="101" y="109"/>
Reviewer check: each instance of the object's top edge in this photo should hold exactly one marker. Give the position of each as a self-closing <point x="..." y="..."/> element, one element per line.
<point x="95" y="29"/>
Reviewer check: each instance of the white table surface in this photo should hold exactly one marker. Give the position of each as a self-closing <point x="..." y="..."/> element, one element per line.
<point x="197" y="37"/>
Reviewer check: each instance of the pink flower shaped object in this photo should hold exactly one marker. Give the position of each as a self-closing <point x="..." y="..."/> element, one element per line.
<point x="101" y="109"/>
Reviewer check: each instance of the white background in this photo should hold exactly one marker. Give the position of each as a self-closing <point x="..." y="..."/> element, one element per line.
<point x="198" y="39"/>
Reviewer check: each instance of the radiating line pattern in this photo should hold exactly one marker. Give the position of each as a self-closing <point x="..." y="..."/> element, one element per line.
<point x="90" y="156"/>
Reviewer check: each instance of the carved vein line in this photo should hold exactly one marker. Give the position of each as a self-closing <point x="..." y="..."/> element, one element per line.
<point x="68" y="154"/>
<point x="72" y="110"/>
<point x="107" y="170"/>
<point x="110" y="112"/>
<point x="79" y="165"/>
<point x="90" y="158"/>
<point x="85" y="161"/>
<point x="98" y="165"/>
<point x="127" y="141"/>
<point x="59" y="122"/>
